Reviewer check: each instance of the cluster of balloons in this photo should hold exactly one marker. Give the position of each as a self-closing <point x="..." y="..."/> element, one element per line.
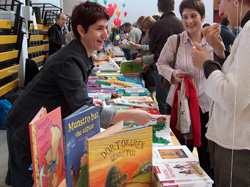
<point x="113" y="8"/>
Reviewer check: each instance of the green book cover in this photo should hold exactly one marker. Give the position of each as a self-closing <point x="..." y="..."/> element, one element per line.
<point x="130" y="67"/>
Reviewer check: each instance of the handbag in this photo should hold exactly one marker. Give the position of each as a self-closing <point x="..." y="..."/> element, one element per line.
<point x="164" y="83"/>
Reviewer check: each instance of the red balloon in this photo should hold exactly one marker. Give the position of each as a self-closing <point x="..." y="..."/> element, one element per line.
<point x="125" y="13"/>
<point x="117" y="22"/>
<point x="111" y="9"/>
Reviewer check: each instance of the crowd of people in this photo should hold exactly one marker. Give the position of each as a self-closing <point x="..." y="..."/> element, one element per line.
<point x="217" y="70"/>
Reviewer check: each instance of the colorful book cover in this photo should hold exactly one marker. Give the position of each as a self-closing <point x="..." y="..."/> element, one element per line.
<point x="84" y="123"/>
<point x="130" y="67"/>
<point x="120" y="157"/>
<point x="143" y="99"/>
<point x="121" y="92"/>
<point x="173" y="153"/>
<point x="180" y="171"/>
<point x="132" y="103"/>
<point x="47" y="148"/>
<point x="161" y="130"/>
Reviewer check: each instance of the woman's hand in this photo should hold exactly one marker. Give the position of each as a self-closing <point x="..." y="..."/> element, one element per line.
<point x="177" y="75"/>
<point x="213" y="38"/>
<point x="98" y="103"/>
<point x="200" y="55"/>
<point x="141" y="117"/>
<point x="137" y="46"/>
<point x="138" y="60"/>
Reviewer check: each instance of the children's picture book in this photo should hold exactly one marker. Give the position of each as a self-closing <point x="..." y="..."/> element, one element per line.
<point x="120" y="157"/>
<point x="161" y="130"/>
<point x="132" y="103"/>
<point x="122" y="92"/>
<point x="172" y="153"/>
<point x="77" y="128"/>
<point x="143" y="99"/>
<point x="180" y="172"/>
<point x="47" y="151"/>
<point x="130" y="67"/>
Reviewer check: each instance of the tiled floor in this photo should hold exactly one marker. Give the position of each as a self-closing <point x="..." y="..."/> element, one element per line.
<point x="3" y="157"/>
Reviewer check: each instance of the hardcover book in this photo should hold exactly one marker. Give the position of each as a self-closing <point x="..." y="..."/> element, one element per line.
<point x="77" y="127"/>
<point x="173" y="153"/>
<point x="119" y="157"/>
<point x="132" y="103"/>
<point x="180" y="172"/>
<point x="130" y="67"/>
<point x="47" y="148"/>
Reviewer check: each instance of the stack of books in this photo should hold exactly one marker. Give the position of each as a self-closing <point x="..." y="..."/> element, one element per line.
<point x="177" y="166"/>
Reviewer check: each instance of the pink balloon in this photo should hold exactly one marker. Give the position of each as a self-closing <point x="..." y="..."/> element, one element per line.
<point x="111" y="9"/>
<point x="125" y="13"/>
<point x="117" y="22"/>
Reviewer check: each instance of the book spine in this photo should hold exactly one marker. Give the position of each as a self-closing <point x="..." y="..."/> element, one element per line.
<point x="34" y="154"/>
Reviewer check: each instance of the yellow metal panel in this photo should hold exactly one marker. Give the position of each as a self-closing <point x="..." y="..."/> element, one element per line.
<point x="5" y="24"/>
<point x="8" y="87"/>
<point x="46" y="27"/>
<point x="8" y="55"/>
<point x="38" y="59"/>
<point x="9" y="71"/>
<point x="39" y="27"/>
<point x="36" y="38"/>
<point x="8" y="39"/>
<point x="35" y="49"/>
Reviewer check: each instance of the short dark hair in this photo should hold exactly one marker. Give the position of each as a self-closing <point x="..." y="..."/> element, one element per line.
<point x="156" y="17"/>
<point x="166" y="5"/>
<point x="127" y="24"/>
<point x="224" y="21"/>
<point x="58" y="16"/>
<point x="193" y="4"/>
<point x="87" y="14"/>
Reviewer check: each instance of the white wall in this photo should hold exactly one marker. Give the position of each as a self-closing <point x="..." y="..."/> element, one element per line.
<point x="134" y="8"/>
<point x="54" y="2"/>
<point x="137" y="8"/>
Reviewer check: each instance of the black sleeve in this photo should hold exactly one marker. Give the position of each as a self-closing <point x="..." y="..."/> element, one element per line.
<point x="209" y="66"/>
<point x="220" y="60"/>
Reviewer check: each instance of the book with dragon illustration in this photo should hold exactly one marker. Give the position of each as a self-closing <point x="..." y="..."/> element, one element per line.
<point x="47" y="148"/>
<point x="161" y="130"/>
<point x="77" y="128"/>
<point x="120" y="157"/>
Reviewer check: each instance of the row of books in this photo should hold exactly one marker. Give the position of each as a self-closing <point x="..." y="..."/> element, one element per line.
<point x="74" y="147"/>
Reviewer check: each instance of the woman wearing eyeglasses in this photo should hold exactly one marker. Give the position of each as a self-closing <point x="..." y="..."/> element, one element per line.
<point x="228" y="85"/>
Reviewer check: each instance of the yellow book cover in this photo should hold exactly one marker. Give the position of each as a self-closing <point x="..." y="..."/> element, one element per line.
<point x="120" y="157"/>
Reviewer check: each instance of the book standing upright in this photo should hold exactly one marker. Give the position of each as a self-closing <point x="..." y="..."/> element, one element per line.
<point x="47" y="148"/>
<point x="120" y="157"/>
<point x="77" y="127"/>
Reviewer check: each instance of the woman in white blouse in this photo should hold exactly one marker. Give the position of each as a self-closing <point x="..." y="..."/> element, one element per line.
<point x="193" y="14"/>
